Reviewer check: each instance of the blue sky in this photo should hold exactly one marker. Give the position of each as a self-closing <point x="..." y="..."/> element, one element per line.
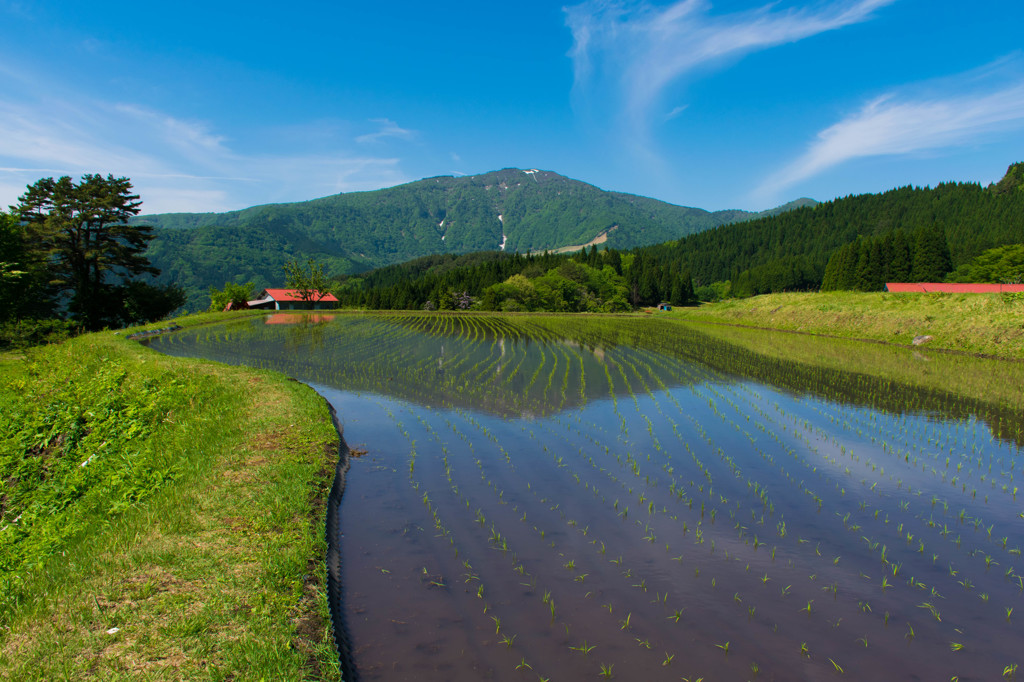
<point x="710" y="103"/>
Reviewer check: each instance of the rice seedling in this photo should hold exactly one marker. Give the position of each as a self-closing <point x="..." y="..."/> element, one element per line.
<point x="583" y="648"/>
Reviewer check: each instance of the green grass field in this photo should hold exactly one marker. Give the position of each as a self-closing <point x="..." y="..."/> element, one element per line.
<point x="989" y="324"/>
<point x="162" y="518"/>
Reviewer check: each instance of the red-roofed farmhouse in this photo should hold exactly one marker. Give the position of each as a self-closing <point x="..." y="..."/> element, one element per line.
<point x="291" y="299"/>
<point x="941" y="287"/>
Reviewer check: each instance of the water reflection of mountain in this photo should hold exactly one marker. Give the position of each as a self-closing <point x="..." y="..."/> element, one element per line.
<point x="506" y="368"/>
<point x="543" y="364"/>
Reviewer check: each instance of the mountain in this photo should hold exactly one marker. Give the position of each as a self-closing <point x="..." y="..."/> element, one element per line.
<point x="512" y="210"/>
<point x="859" y="242"/>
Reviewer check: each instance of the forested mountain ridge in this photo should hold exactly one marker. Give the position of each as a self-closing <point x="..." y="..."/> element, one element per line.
<point x="959" y="231"/>
<point x="790" y="251"/>
<point x="519" y="210"/>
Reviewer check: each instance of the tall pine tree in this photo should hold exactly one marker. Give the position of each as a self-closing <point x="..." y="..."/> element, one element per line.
<point x="931" y="255"/>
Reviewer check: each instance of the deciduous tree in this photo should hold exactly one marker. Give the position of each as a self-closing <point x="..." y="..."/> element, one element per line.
<point x="308" y="279"/>
<point x="231" y="293"/>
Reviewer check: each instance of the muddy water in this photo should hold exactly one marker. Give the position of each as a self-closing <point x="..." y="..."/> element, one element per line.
<point x="534" y="506"/>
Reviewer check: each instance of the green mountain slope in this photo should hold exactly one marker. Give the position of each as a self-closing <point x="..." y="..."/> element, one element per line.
<point x="526" y="210"/>
<point x="789" y="251"/>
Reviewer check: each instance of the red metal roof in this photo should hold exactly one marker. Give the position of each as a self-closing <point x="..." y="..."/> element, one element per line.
<point x="293" y="295"/>
<point x="940" y="287"/>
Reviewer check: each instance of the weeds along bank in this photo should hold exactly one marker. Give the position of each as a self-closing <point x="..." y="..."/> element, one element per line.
<point x="990" y="324"/>
<point x="160" y="516"/>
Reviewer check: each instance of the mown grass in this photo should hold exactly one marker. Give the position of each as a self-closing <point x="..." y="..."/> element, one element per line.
<point x="990" y="324"/>
<point x="163" y="517"/>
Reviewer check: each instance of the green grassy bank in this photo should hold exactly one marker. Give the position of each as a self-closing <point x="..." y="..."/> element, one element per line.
<point x="160" y="518"/>
<point x="989" y="324"/>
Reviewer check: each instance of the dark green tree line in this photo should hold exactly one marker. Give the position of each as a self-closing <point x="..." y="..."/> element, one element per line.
<point x="867" y="263"/>
<point x="589" y="280"/>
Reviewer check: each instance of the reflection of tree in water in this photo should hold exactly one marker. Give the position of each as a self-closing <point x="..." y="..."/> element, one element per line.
<point x="305" y="331"/>
<point x="307" y="335"/>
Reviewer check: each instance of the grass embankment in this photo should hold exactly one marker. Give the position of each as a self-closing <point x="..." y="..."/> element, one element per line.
<point x="986" y="382"/>
<point x="162" y="517"/>
<point x="989" y="324"/>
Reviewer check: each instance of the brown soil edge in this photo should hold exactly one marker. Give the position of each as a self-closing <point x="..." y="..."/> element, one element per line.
<point x="332" y="529"/>
<point x="936" y="349"/>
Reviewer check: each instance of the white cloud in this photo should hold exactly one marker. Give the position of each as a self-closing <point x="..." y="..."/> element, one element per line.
<point x="637" y="49"/>
<point x="387" y="128"/>
<point x="676" y="111"/>
<point x="904" y="122"/>
<point x="185" y="135"/>
<point x="174" y="164"/>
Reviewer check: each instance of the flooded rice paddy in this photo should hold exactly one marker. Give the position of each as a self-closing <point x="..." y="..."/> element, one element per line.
<point x="571" y="498"/>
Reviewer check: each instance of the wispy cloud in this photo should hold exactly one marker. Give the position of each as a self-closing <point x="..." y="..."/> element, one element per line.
<point x="956" y="111"/>
<point x="637" y="50"/>
<point x="175" y="164"/>
<point x="387" y="128"/>
<point x="675" y="112"/>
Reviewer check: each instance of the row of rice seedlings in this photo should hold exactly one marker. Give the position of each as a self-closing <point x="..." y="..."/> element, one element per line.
<point x="974" y="460"/>
<point x="488" y="590"/>
<point x="442" y="575"/>
<point x="902" y="506"/>
<point x="579" y="574"/>
<point x="636" y="581"/>
<point x="1001" y="543"/>
<point x="977" y="521"/>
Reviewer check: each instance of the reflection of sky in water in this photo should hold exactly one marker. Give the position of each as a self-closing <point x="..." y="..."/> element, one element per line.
<point x="631" y="484"/>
